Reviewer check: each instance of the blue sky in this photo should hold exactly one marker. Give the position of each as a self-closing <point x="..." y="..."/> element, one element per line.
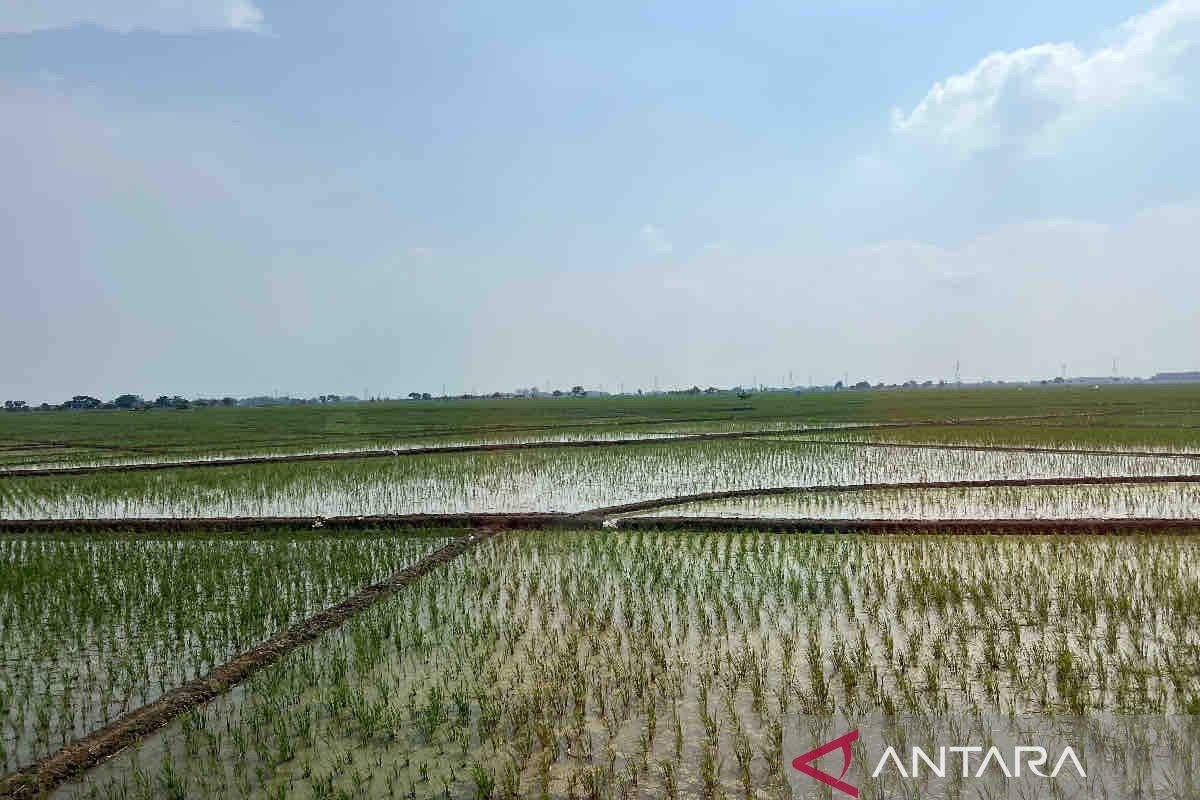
<point x="243" y="197"/>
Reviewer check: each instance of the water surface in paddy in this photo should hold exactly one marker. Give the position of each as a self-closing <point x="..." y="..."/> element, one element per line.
<point x="93" y="626"/>
<point x="572" y="664"/>
<point x="567" y="480"/>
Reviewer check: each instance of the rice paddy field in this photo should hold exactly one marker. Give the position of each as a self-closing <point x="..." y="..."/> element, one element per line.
<point x="171" y="626"/>
<point x="97" y="625"/>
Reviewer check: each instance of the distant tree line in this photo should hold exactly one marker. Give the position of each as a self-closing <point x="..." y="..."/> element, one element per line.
<point x="135" y="402"/>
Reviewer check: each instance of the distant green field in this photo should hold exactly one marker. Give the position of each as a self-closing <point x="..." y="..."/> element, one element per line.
<point x="1128" y="415"/>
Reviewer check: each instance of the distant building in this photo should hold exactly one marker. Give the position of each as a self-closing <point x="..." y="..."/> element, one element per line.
<point x="1176" y="377"/>
<point x="1094" y="379"/>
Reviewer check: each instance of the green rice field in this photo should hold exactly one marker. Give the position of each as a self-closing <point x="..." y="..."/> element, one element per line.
<point x="575" y="657"/>
<point x="678" y="664"/>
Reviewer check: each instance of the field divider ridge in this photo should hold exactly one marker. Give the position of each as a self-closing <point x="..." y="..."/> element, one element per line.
<point x="255" y="524"/>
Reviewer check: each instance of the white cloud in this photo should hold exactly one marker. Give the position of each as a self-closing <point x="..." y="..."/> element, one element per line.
<point x="1024" y="99"/>
<point x="656" y="240"/>
<point x="1014" y="302"/>
<point x="125" y="16"/>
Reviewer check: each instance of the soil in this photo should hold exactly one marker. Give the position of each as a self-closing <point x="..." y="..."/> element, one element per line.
<point x="255" y="524"/>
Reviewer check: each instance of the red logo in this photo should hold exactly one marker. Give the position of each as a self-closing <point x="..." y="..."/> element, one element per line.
<point x="841" y="743"/>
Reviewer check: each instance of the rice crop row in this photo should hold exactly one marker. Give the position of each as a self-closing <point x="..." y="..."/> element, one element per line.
<point x="1148" y="501"/>
<point x="524" y="480"/>
<point x="95" y="626"/>
<point x="683" y="665"/>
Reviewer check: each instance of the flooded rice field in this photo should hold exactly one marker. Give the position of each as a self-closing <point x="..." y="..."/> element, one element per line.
<point x="685" y="664"/>
<point x="611" y="662"/>
<point x="96" y="626"/>
<point x="567" y="480"/>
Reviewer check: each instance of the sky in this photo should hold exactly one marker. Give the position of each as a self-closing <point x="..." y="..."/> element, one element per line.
<point x="214" y="197"/>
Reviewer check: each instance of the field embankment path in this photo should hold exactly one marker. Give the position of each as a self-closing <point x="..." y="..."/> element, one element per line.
<point x="251" y="525"/>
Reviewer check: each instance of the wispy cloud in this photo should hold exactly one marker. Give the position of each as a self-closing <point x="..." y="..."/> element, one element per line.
<point x="656" y="240"/>
<point x="125" y="16"/>
<point x="1021" y="99"/>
